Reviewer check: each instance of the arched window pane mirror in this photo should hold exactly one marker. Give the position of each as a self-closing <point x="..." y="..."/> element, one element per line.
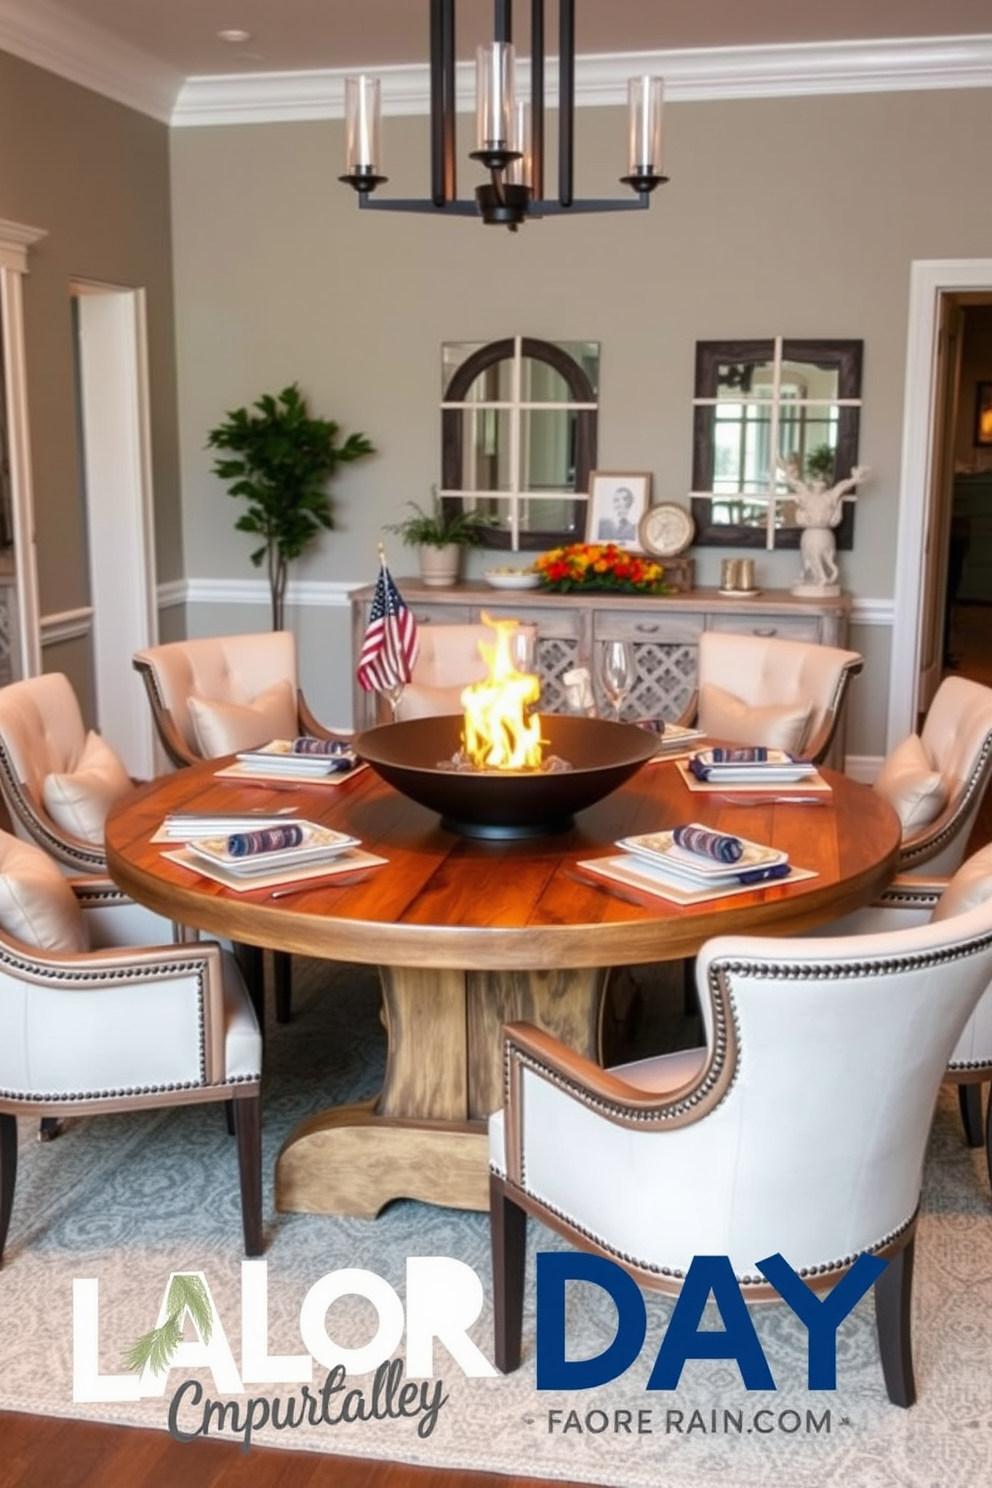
<point x="518" y="435"/>
<point x="755" y="400"/>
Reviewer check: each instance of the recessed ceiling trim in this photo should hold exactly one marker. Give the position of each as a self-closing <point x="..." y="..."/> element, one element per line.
<point x="61" y="43"/>
<point x="703" y="74"/>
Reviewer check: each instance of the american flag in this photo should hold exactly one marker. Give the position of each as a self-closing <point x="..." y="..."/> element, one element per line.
<point x="389" y="648"/>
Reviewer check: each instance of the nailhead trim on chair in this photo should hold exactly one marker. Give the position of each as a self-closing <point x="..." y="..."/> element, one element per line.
<point x="92" y="859"/>
<point x="826" y="1268"/>
<point x="930" y="846"/>
<point x="51" y="1097"/>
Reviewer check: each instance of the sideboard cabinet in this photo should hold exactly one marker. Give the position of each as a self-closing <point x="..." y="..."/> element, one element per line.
<point x="570" y="628"/>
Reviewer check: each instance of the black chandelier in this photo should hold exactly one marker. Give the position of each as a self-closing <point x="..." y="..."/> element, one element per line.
<point x="509" y="132"/>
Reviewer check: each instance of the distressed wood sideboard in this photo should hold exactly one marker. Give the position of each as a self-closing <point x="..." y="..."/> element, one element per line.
<point x="570" y="627"/>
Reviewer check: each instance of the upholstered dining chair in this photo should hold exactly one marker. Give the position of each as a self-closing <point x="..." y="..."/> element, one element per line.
<point x="911" y="900"/>
<point x="88" y="1030"/>
<point x="58" y="781"/>
<point x="765" y="691"/>
<point x="448" y="659"/>
<point x="656" y="1162"/>
<point x="936" y="780"/>
<point x="215" y="695"/>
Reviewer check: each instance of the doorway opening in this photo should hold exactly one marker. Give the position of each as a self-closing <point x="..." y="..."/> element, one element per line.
<point x="967" y="629"/>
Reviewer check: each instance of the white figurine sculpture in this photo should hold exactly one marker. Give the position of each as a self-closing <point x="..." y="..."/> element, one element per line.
<point x="819" y="509"/>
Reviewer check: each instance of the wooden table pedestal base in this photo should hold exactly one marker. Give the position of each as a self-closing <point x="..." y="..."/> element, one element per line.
<point x="424" y="1136"/>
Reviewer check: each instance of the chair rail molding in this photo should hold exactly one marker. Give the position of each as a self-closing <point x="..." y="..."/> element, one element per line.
<point x="67" y="625"/>
<point x="928" y="280"/>
<point x="313" y="593"/>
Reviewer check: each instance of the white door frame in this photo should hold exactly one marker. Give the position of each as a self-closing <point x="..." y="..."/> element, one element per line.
<point x="15" y="240"/>
<point x="929" y="278"/>
<point x="116" y="456"/>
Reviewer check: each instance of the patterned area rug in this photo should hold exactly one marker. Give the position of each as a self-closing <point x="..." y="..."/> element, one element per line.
<point x="127" y="1200"/>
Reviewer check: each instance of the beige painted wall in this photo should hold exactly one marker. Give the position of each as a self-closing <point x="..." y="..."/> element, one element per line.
<point x="95" y="175"/>
<point x="280" y="277"/>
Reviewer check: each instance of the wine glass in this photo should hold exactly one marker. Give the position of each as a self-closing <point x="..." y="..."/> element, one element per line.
<point x="616" y="672"/>
<point x="392" y="692"/>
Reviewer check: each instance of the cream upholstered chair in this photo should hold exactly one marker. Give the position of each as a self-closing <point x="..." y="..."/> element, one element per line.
<point x="936" y="780"/>
<point x="215" y="695"/>
<point x="448" y="659"/>
<point x="58" y="782"/>
<point x="799" y="1129"/>
<point x="912" y="900"/>
<point x="89" y="1030"/>
<point x="761" y="690"/>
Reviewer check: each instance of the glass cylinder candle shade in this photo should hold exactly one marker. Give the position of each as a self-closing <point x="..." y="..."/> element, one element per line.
<point x="645" y="97"/>
<point x="362" y="120"/>
<point x="494" y="96"/>
<point x="519" y="172"/>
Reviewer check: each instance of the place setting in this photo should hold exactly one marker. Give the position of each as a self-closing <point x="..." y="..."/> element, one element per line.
<point x="746" y="768"/>
<point x="692" y="863"/>
<point x="261" y="852"/>
<point x="302" y="760"/>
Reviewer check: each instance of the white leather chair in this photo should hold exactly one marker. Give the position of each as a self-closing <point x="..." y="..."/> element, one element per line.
<point x="799" y="1129"/>
<point x="448" y="659"/>
<point x="912" y="900"/>
<point x="762" y="690"/>
<point x="214" y="695"/>
<point x="936" y="780"/>
<point x="88" y="1030"/>
<point x="57" y="781"/>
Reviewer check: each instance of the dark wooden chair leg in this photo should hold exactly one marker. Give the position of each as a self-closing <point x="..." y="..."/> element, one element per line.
<point x="508" y="1238"/>
<point x="690" y="1001"/>
<point x="229" y="1120"/>
<point x="248" y="1127"/>
<point x="8" y="1173"/>
<point x="252" y="962"/>
<point x="893" y="1320"/>
<point x="988" y="1137"/>
<point x="49" y="1127"/>
<point x="282" y="965"/>
<point x="970" y="1106"/>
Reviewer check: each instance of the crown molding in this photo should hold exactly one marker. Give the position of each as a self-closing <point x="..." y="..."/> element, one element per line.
<point x="49" y="37"/>
<point x="307" y="593"/>
<point x="700" y="75"/>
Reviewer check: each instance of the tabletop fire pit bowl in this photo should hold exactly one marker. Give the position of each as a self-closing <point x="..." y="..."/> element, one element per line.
<point x="506" y="803"/>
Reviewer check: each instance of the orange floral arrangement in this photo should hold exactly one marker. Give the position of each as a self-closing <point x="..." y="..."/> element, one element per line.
<point x="599" y="566"/>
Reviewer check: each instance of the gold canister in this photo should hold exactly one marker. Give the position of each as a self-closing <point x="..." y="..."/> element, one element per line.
<point x="730" y="573"/>
<point x="745" y="574"/>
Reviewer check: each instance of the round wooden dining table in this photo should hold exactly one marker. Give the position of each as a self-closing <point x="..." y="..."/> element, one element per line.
<point x="468" y="934"/>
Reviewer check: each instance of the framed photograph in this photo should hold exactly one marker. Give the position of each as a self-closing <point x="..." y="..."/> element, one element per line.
<point x="983" y="413"/>
<point x="618" y="500"/>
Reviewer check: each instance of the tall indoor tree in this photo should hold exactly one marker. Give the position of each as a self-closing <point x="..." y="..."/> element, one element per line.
<point x="279" y="459"/>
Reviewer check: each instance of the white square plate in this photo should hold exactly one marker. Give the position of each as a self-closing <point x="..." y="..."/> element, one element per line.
<point x="319" y="844"/>
<point x="659" y="848"/>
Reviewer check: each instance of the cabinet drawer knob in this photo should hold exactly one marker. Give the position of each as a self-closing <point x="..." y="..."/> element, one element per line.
<point x="643" y="628"/>
<point x="767" y="630"/>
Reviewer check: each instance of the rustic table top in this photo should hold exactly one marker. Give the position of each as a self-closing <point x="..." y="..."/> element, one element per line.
<point x="448" y="901"/>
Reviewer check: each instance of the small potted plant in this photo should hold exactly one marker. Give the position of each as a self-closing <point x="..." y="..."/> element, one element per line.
<point x="440" y="535"/>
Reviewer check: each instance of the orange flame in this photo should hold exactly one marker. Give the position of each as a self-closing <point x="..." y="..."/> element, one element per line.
<point x="499" y="734"/>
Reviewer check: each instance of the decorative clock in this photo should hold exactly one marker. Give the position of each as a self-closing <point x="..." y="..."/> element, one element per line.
<point x="666" y="530"/>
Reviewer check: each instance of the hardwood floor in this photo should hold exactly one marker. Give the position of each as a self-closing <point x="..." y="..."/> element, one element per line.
<point x="38" y="1452"/>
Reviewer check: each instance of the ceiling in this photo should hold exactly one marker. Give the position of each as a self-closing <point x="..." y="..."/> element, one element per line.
<point x="291" y="35"/>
